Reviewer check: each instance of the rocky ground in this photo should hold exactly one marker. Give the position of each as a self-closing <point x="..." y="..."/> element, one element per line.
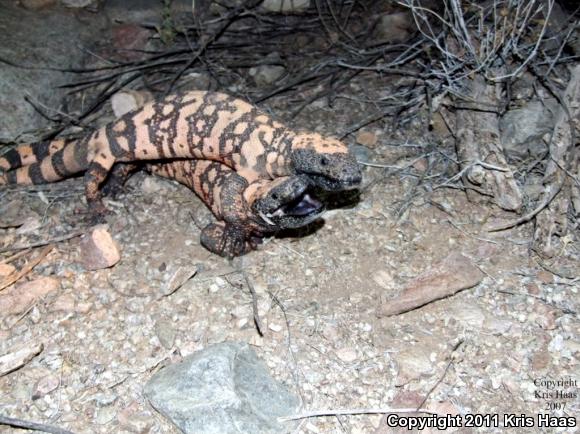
<point x="96" y="337"/>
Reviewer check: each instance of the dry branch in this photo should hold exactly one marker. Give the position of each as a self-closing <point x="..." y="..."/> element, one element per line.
<point x="560" y="182"/>
<point x="9" y="280"/>
<point x="552" y="222"/>
<point x="478" y="139"/>
<point x="34" y="426"/>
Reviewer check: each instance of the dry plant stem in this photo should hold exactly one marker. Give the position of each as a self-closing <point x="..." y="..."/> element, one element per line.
<point x="14" y="277"/>
<point x="555" y="179"/>
<point x="24" y="424"/>
<point x="41" y="243"/>
<point x="257" y="319"/>
<point x="355" y="411"/>
<point x="552" y="222"/>
<point x="210" y="38"/>
<point x="478" y="139"/>
<point x="14" y="257"/>
<point x="440" y="379"/>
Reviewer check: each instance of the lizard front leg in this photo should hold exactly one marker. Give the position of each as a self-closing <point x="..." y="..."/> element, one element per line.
<point x="222" y="190"/>
<point x="226" y="239"/>
<point x="245" y="212"/>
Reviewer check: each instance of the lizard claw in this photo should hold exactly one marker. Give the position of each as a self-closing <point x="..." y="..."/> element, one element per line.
<point x="226" y="240"/>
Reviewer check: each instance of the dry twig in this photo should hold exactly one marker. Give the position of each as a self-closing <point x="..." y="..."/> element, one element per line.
<point x="14" y="277"/>
<point x="34" y="426"/>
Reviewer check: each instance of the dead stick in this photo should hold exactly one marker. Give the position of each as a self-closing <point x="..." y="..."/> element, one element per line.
<point x="14" y="257"/>
<point x="14" y="277"/>
<point x="257" y="319"/>
<point x="438" y="382"/>
<point x="354" y="411"/>
<point x="19" y="423"/>
<point x="44" y="242"/>
<point x="230" y="18"/>
<point x="526" y="218"/>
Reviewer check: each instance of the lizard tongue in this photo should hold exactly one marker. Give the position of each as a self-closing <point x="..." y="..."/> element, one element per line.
<point x="307" y="205"/>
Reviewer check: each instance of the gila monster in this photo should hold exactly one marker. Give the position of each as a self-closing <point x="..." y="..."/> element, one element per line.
<point x="194" y="125"/>
<point x="245" y="213"/>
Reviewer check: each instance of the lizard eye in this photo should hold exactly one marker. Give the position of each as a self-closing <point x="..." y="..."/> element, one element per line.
<point x="323" y="161"/>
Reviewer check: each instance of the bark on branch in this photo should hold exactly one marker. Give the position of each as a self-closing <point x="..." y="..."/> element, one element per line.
<point x="486" y="174"/>
<point x="561" y="177"/>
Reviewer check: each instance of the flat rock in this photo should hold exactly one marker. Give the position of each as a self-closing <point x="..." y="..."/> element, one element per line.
<point x="44" y="386"/>
<point x="99" y="250"/>
<point x="6" y="269"/>
<point x="15" y="213"/>
<point x="223" y="389"/>
<point x="454" y="273"/>
<point x="469" y="316"/>
<point x="80" y="4"/>
<point x="413" y="362"/>
<point x="165" y="332"/>
<point x="19" y="357"/>
<point x="17" y="299"/>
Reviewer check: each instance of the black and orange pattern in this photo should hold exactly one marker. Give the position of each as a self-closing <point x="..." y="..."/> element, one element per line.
<point x="245" y="212"/>
<point x="193" y="130"/>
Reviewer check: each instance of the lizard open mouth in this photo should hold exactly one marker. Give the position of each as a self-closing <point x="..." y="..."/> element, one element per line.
<point x="287" y="204"/>
<point x="298" y="212"/>
<point x="303" y="206"/>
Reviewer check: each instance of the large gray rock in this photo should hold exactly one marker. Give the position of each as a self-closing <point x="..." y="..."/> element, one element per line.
<point x="221" y="390"/>
<point x="39" y="38"/>
<point x="522" y="129"/>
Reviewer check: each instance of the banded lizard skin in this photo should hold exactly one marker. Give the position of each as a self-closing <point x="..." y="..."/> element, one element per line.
<point x="245" y="213"/>
<point x="195" y="125"/>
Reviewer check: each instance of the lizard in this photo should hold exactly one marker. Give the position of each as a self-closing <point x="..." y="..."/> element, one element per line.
<point x="195" y="125"/>
<point x="245" y="213"/>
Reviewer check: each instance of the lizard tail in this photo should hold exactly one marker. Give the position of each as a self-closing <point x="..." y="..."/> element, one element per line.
<point x="26" y="154"/>
<point x="43" y="162"/>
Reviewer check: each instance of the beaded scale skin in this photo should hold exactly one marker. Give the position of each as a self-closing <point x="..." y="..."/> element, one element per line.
<point x="232" y="154"/>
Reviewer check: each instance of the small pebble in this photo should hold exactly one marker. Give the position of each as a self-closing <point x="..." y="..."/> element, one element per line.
<point x="347" y="355"/>
<point x="275" y="327"/>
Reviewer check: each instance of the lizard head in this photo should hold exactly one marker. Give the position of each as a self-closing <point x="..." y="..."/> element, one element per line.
<point x="285" y="203"/>
<point x="326" y="161"/>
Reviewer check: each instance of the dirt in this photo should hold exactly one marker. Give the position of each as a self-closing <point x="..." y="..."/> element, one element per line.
<point x="486" y="350"/>
<point x="105" y="332"/>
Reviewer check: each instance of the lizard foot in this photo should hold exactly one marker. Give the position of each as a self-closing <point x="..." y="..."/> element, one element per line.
<point x="97" y="213"/>
<point x="226" y="240"/>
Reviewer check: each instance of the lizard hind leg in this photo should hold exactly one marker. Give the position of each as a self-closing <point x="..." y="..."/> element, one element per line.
<point x="95" y="175"/>
<point x="115" y="183"/>
<point x="226" y="240"/>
